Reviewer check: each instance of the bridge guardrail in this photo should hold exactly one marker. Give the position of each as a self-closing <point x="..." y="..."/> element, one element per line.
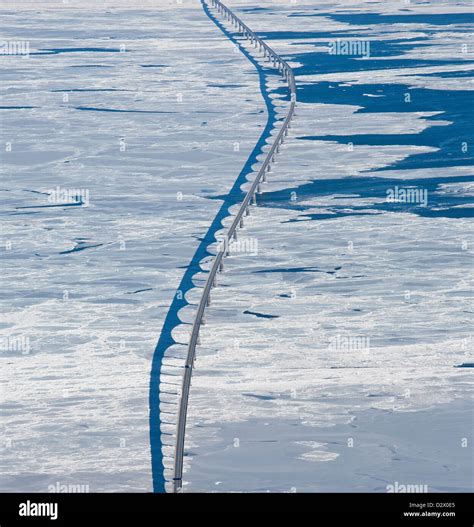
<point x="244" y="209"/>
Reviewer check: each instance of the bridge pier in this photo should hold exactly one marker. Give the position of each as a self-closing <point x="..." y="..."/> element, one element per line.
<point x="277" y="62"/>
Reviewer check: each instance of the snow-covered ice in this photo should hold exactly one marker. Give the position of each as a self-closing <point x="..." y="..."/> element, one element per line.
<point x="126" y="107"/>
<point x="331" y="358"/>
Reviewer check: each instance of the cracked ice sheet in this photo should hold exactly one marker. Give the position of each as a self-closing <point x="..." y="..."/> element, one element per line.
<point x="89" y="287"/>
<point x="280" y="402"/>
<point x="295" y="372"/>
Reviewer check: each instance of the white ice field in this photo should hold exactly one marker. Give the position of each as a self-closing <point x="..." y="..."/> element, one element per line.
<point x="331" y="352"/>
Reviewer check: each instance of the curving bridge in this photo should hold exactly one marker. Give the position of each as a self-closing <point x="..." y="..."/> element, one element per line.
<point x="251" y="198"/>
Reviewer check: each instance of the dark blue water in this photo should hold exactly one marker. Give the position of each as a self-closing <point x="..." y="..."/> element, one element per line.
<point x="59" y="51"/>
<point x="260" y="315"/>
<point x="116" y="110"/>
<point x="17" y="107"/>
<point x="436" y="19"/>
<point x="453" y="142"/>
<point x="81" y="246"/>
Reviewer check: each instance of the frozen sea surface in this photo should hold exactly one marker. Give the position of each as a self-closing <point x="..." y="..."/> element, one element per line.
<point x="330" y="359"/>
<point x="123" y="112"/>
